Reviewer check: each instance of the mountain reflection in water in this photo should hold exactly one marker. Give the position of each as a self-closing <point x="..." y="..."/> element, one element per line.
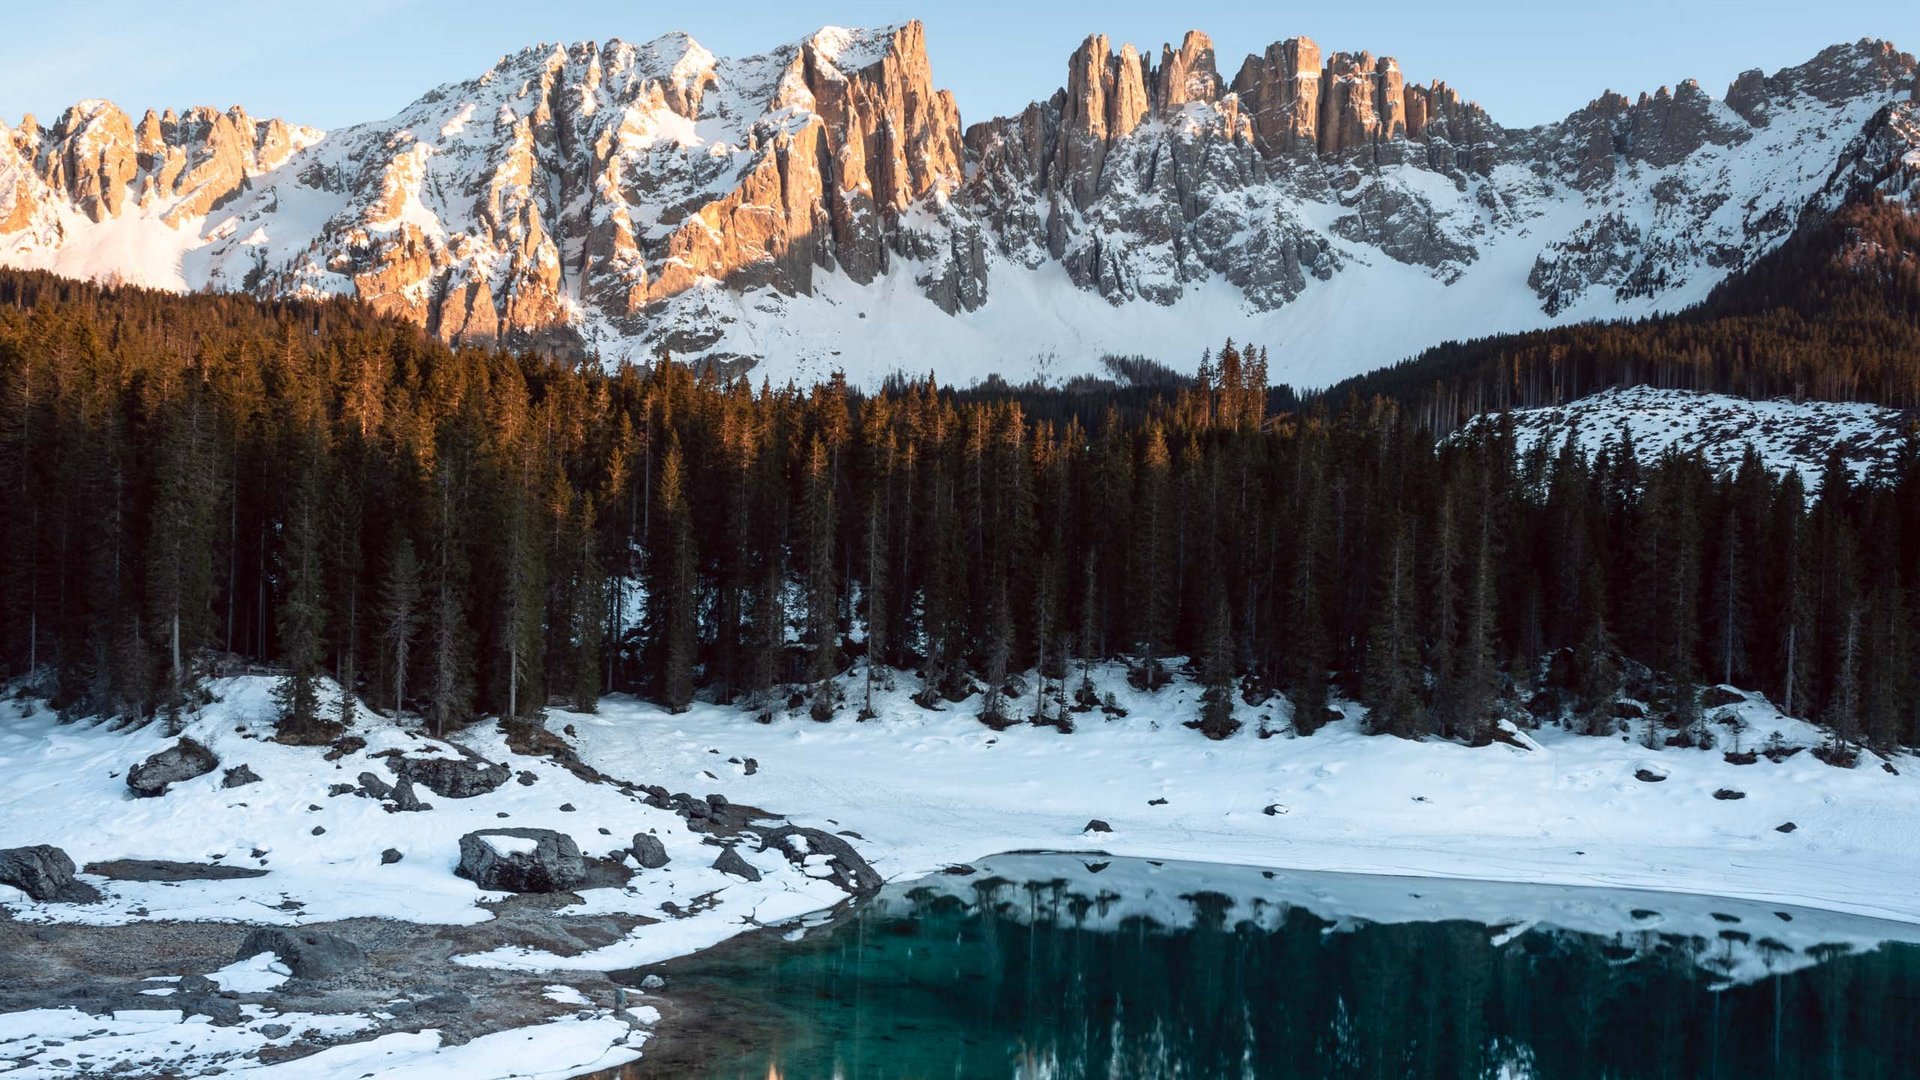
<point x="1071" y="966"/>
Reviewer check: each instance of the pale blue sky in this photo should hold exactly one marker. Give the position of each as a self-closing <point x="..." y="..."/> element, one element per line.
<point x="334" y="62"/>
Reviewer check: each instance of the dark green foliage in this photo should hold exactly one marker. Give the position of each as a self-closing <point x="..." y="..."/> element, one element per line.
<point x="468" y="532"/>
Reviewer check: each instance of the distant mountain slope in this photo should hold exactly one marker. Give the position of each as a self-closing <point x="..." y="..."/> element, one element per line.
<point x="1833" y="314"/>
<point x="820" y="206"/>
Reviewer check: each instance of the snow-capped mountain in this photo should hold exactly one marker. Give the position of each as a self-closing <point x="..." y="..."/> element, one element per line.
<point x="820" y="206"/>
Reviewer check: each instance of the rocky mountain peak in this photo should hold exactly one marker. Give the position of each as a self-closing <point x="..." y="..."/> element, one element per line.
<point x="622" y="198"/>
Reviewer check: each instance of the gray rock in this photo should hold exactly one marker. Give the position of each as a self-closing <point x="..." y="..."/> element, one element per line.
<point x="405" y="801"/>
<point x="390" y="856"/>
<point x="731" y="862"/>
<point x="648" y="851"/>
<point x="554" y="864"/>
<point x="1647" y="776"/>
<point x="1729" y="794"/>
<point x="183" y="760"/>
<point x="274" y="1031"/>
<point x="45" y="873"/>
<point x="169" y="870"/>
<point x="847" y="868"/>
<point x="375" y="788"/>
<point x="1785" y="827"/>
<point x="1096" y="825"/>
<point x="239" y="776"/>
<point x="452" y="778"/>
<point x="308" y="954"/>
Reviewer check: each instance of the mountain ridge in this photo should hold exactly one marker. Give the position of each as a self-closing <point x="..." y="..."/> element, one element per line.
<point x="820" y="206"/>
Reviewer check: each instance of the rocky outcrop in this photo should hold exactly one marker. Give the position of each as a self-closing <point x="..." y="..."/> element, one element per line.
<point x="183" y="760"/>
<point x="822" y="854"/>
<point x="44" y="873"/>
<point x="521" y="860"/>
<point x="308" y="954"/>
<point x="460" y="777"/>
<point x="187" y="165"/>
<point x="625" y="198"/>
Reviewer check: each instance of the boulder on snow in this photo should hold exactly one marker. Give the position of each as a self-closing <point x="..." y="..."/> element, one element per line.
<point x="648" y="851"/>
<point x="1728" y="794"/>
<point x="521" y="860"/>
<point x="239" y="776"/>
<point x="844" y="866"/>
<point x="452" y="777"/>
<point x="731" y="862"/>
<point x="373" y="787"/>
<point x="1785" y="827"/>
<point x="44" y="873"/>
<point x="1648" y="776"/>
<point x="308" y="954"/>
<point x="404" y="800"/>
<point x="390" y="856"/>
<point x="183" y="760"/>
<point x="1715" y="697"/>
<point x="1096" y="825"/>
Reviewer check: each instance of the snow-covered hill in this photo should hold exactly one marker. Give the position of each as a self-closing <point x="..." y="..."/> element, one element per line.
<point x="821" y="207"/>
<point x="1788" y="435"/>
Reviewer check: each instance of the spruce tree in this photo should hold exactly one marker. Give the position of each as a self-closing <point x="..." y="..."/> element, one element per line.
<point x="302" y="611"/>
<point x="675" y="583"/>
<point x="400" y="614"/>
<point x="1216" y="676"/>
<point x="1393" y="672"/>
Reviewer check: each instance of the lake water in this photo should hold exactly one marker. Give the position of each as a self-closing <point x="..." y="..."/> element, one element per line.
<point x="1070" y="966"/>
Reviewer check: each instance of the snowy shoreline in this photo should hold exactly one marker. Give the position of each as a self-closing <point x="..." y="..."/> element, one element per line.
<point x="916" y="792"/>
<point x="926" y="790"/>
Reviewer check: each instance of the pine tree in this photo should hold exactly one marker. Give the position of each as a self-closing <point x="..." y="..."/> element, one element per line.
<point x="1152" y="572"/>
<point x="303" y="617"/>
<point x="400" y="612"/>
<point x="1393" y="653"/>
<point x="675" y="583"/>
<point x="822" y="600"/>
<point x="1216" y="676"/>
<point x="180" y="584"/>
<point x="449" y="676"/>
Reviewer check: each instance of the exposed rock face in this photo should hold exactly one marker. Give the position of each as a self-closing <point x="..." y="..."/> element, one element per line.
<point x="450" y="777"/>
<point x="521" y="860"/>
<point x="44" y="873"/>
<point x="626" y="198"/>
<point x="100" y="160"/>
<point x="184" y="760"/>
<point x="308" y="954"/>
<point x="824" y="855"/>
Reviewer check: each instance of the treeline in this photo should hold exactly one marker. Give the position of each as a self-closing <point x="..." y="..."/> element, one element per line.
<point x="1833" y="314"/>
<point x="197" y="481"/>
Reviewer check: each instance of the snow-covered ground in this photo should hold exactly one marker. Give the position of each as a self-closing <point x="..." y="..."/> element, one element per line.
<point x="929" y="789"/>
<point x="916" y="791"/>
<point x="1796" y="435"/>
